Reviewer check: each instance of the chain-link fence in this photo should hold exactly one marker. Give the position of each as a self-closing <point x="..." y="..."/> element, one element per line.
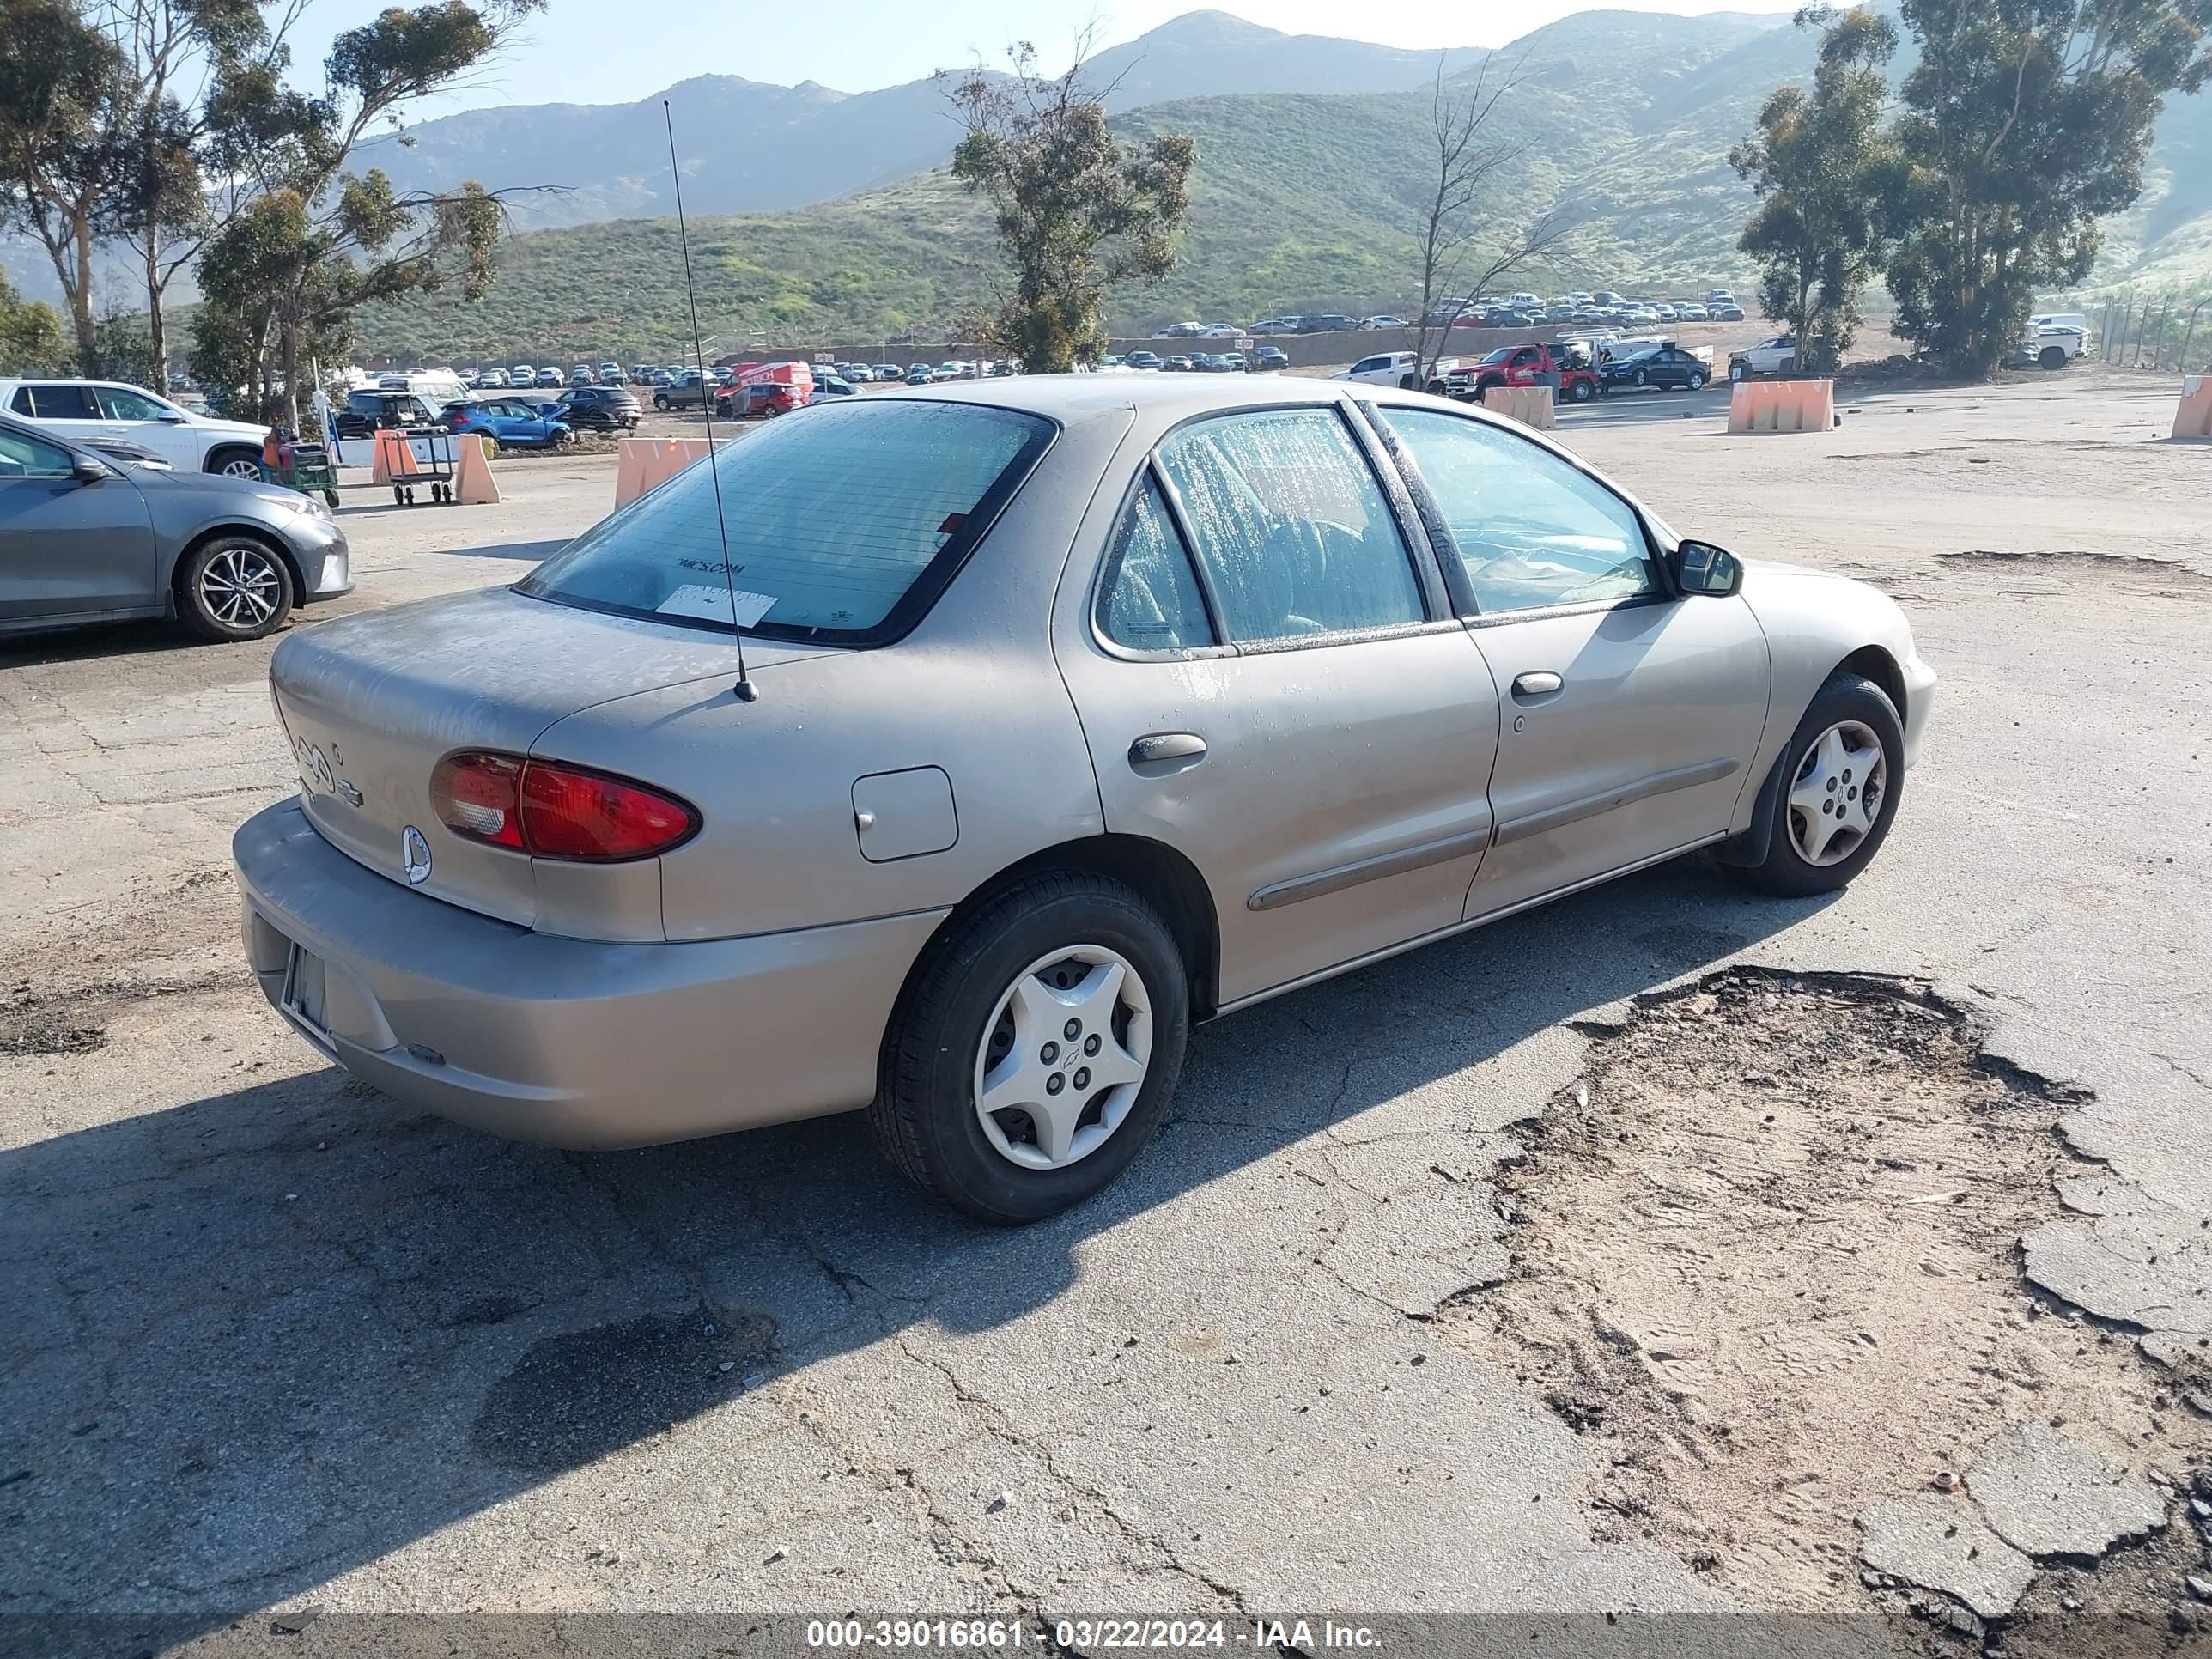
<point x="2157" y="331"/>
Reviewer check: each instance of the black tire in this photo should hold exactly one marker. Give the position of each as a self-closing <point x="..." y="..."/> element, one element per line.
<point x="1581" y="391"/>
<point x="1407" y="382"/>
<point x="1643" y="377"/>
<point x="1782" y="870"/>
<point x="331" y="499"/>
<point x="233" y="463"/>
<point x="2053" y="357"/>
<point x="233" y="587"/>
<point x="1696" y="382"/>
<point x="924" y="1110"/>
<point x="660" y="402"/>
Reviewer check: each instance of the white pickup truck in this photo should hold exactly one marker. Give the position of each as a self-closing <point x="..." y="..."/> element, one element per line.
<point x="2055" y="340"/>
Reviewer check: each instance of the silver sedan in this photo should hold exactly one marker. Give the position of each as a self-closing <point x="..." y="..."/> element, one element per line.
<point x="950" y="753"/>
<point x="102" y="532"/>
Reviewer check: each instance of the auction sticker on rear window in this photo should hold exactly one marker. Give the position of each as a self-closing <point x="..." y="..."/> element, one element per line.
<point x="716" y="604"/>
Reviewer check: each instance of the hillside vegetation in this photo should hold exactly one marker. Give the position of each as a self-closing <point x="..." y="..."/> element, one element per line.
<point x="1303" y="200"/>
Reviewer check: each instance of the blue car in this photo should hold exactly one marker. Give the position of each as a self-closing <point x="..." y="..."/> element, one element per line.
<point x="509" y="424"/>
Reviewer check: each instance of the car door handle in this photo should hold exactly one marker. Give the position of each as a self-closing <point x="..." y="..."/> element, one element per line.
<point x="1539" y="683"/>
<point x="1157" y="747"/>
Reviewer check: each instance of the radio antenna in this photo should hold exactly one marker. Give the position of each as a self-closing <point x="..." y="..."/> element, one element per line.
<point x="743" y="688"/>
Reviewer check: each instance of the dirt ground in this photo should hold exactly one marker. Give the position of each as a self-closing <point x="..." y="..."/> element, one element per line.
<point x="1766" y="1263"/>
<point x="1640" y="1255"/>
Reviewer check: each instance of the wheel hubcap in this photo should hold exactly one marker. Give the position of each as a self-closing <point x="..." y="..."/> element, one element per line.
<point x="1064" y="1057"/>
<point x="240" y="587"/>
<point x="1836" y="799"/>
<point x="241" y="469"/>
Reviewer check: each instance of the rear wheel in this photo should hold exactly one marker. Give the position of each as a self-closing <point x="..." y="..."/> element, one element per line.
<point x="1696" y="382"/>
<point x="1034" y="1049"/>
<point x="1407" y="382"/>
<point x="2053" y="357"/>
<point x="1581" y="391"/>
<point x="1843" y="775"/>
<point x="233" y="587"/>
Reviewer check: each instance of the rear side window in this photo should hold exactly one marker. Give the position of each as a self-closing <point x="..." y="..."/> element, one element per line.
<point x="1149" y="599"/>
<point x="1291" y="526"/>
<point x="57" y="403"/>
<point x="915" y="484"/>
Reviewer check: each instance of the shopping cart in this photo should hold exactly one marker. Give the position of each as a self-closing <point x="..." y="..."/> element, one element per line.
<point x="426" y="457"/>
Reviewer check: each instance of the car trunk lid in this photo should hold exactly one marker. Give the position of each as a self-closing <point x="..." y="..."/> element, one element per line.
<point x="371" y="703"/>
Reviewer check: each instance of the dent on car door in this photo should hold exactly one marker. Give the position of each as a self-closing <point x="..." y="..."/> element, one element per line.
<point x="1631" y="717"/>
<point x="1270" y="684"/>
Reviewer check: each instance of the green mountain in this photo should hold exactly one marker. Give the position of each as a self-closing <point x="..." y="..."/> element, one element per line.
<point x="1305" y="199"/>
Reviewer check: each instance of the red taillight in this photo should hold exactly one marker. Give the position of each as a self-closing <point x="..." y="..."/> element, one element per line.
<point x="552" y="811"/>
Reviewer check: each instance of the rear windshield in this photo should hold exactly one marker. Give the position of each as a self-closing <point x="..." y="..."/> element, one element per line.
<point x="913" y="485"/>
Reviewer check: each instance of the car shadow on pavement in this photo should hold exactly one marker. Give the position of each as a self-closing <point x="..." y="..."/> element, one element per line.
<point x="266" y="1337"/>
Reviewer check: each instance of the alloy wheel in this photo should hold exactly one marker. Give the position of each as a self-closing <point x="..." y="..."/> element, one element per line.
<point x="1835" y="801"/>
<point x="241" y="466"/>
<point x="1064" y="1057"/>
<point x="241" y="586"/>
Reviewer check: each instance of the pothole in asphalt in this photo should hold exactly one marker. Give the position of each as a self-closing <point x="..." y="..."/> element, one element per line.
<point x="1766" y="1261"/>
<point x="579" y="1395"/>
<point x="2135" y="571"/>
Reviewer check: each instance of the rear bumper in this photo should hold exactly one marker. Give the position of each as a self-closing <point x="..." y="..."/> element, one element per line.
<point x="568" y="1043"/>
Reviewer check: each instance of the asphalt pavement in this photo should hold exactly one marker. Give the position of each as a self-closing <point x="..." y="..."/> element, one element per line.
<point x="272" y="1341"/>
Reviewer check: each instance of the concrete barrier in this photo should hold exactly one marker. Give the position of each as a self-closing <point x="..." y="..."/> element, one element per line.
<point x="473" y="484"/>
<point x="1531" y="406"/>
<point x="645" y="464"/>
<point x="2192" y="416"/>
<point x="1781" y="406"/>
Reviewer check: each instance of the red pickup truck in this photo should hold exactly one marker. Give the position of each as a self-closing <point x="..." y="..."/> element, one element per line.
<point x="1520" y="366"/>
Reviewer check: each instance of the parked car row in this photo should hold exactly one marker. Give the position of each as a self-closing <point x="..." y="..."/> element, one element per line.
<point x="1259" y="360"/>
<point x="514" y="418"/>
<point x="1521" y="310"/>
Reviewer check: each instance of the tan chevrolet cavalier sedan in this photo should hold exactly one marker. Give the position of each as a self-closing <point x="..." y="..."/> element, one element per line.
<point x="1073" y="710"/>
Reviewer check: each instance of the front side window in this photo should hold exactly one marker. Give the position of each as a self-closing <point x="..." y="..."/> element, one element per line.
<point x="1533" y="530"/>
<point x="1291" y="526"/>
<point x="121" y="403"/>
<point x="1148" y="599"/>
<point x="916" y="482"/>
<point x="25" y="457"/>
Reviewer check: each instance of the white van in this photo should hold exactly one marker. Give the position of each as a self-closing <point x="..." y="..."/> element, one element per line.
<point x="434" y="386"/>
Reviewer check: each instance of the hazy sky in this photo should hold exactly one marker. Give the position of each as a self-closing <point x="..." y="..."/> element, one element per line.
<point x="608" y="52"/>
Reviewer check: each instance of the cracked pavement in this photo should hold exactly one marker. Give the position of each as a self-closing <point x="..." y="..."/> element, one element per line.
<point x="269" y="1340"/>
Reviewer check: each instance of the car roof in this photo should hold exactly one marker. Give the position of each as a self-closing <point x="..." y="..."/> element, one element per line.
<point x="1069" y="397"/>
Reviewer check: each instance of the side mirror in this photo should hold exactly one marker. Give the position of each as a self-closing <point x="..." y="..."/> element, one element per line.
<point x="89" y="471"/>
<point x="1700" y="568"/>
